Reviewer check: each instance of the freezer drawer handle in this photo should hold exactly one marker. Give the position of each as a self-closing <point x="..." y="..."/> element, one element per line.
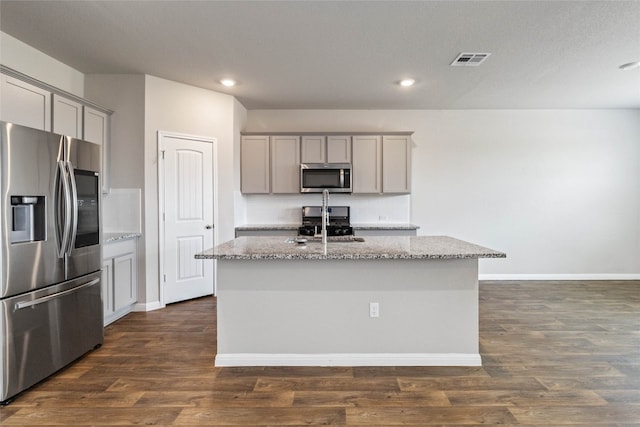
<point x="25" y="304"/>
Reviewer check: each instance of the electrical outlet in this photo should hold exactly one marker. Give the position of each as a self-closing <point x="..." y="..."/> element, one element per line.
<point x="374" y="309"/>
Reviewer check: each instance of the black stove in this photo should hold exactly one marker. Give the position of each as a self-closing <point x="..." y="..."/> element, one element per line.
<point x="339" y="217"/>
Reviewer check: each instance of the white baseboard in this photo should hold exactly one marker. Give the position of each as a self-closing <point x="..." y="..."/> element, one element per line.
<point x="559" y="276"/>
<point x="149" y="306"/>
<point x="346" y="359"/>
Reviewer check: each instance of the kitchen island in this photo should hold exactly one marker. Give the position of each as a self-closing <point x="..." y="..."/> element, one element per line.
<point x="384" y="301"/>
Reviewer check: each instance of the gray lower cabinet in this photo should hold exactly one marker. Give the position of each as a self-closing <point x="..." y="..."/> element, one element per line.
<point x="384" y="232"/>
<point x="119" y="278"/>
<point x="240" y="232"/>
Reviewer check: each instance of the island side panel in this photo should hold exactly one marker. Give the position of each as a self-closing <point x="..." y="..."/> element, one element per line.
<point x="277" y="309"/>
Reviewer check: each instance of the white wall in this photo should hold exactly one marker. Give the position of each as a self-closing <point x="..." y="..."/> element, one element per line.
<point x="123" y="207"/>
<point x="558" y="190"/>
<point x="27" y="60"/>
<point x="365" y="209"/>
<point x="180" y="108"/>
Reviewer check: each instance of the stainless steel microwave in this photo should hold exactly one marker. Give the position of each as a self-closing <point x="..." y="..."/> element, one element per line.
<point x="315" y="177"/>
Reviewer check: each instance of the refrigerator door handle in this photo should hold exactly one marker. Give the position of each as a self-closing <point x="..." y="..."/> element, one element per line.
<point x="74" y="208"/>
<point x="25" y="304"/>
<point x="63" y="221"/>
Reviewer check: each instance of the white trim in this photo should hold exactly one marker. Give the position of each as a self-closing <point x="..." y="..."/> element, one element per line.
<point x="349" y="359"/>
<point x="161" y="242"/>
<point x="559" y="277"/>
<point x="148" y="306"/>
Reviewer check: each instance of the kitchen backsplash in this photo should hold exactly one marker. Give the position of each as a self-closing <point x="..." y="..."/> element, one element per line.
<point x="285" y="209"/>
<point x="121" y="211"/>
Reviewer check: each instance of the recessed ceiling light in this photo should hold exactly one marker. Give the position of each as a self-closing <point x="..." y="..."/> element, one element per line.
<point x="630" y="65"/>
<point x="407" y="82"/>
<point x="228" y="82"/>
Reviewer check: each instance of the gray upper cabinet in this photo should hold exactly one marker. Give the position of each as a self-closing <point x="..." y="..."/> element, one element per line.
<point x="270" y="164"/>
<point x="254" y="164"/>
<point x="381" y="163"/>
<point x="34" y="104"/>
<point x="326" y="149"/>
<point x="396" y="164"/>
<point x="339" y="149"/>
<point x="367" y="164"/>
<point x="96" y="130"/>
<point x="67" y="116"/>
<point x="96" y="126"/>
<point x="285" y="164"/>
<point x="313" y="149"/>
<point x="24" y="104"/>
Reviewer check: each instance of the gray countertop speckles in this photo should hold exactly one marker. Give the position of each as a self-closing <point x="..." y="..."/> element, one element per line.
<point x="384" y="226"/>
<point x="259" y="227"/>
<point x="356" y="226"/>
<point x="395" y="247"/>
<point x="114" y="237"/>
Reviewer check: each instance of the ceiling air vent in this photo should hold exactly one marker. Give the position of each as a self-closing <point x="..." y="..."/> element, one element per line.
<point x="469" y="59"/>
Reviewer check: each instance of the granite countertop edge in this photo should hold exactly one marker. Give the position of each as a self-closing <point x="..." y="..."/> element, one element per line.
<point x="255" y="257"/>
<point x="372" y="248"/>
<point x="356" y="226"/>
<point x="115" y="237"/>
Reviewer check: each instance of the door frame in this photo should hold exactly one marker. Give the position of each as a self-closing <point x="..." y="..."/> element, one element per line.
<point x="161" y="201"/>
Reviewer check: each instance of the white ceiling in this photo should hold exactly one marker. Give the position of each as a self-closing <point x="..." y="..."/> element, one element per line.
<point x="349" y="54"/>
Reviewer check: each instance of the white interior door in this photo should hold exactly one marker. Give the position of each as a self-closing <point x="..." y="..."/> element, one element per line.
<point x="187" y="185"/>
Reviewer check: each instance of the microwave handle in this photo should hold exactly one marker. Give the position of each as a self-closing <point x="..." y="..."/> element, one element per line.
<point x="341" y="178"/>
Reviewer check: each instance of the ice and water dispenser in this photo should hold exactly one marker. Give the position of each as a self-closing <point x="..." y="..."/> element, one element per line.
<point x="27" y="222"/>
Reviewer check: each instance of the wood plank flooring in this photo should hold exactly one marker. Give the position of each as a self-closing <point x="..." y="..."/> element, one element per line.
<point x="554" y="353"/>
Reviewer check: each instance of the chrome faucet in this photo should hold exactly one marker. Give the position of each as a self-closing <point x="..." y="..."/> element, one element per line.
<point x="325" y="214"/>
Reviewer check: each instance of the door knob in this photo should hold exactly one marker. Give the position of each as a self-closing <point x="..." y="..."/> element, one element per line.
<point x="208" y="226"/>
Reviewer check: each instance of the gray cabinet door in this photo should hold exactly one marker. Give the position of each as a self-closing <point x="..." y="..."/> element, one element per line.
<point x="24" y="104"/>
<point x="339" y="149"/>
<point x="367" y="164"/>
<point x="313" y="149"/>
<point x="285" y="164"/>
<point x="254" y="164"/>
<point x="396" y="164"/>
<point x="67" y="117"/>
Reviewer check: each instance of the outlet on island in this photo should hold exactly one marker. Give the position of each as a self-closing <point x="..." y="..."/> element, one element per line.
<point x="374" y="309"/>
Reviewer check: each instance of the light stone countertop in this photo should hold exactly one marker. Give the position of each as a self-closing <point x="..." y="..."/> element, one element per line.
<point x="349" y="248"/>
<point x="356" y="226"/>
<point x="260" y="227"/>
<point x="114" y="237"/>
<point x="384" y="226"/>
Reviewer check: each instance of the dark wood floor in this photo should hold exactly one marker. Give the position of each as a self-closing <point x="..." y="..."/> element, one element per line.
<point x="554" y="353"/>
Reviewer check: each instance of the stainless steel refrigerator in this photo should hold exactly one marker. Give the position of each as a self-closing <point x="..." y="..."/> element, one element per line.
<point x="50" y="299"/>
